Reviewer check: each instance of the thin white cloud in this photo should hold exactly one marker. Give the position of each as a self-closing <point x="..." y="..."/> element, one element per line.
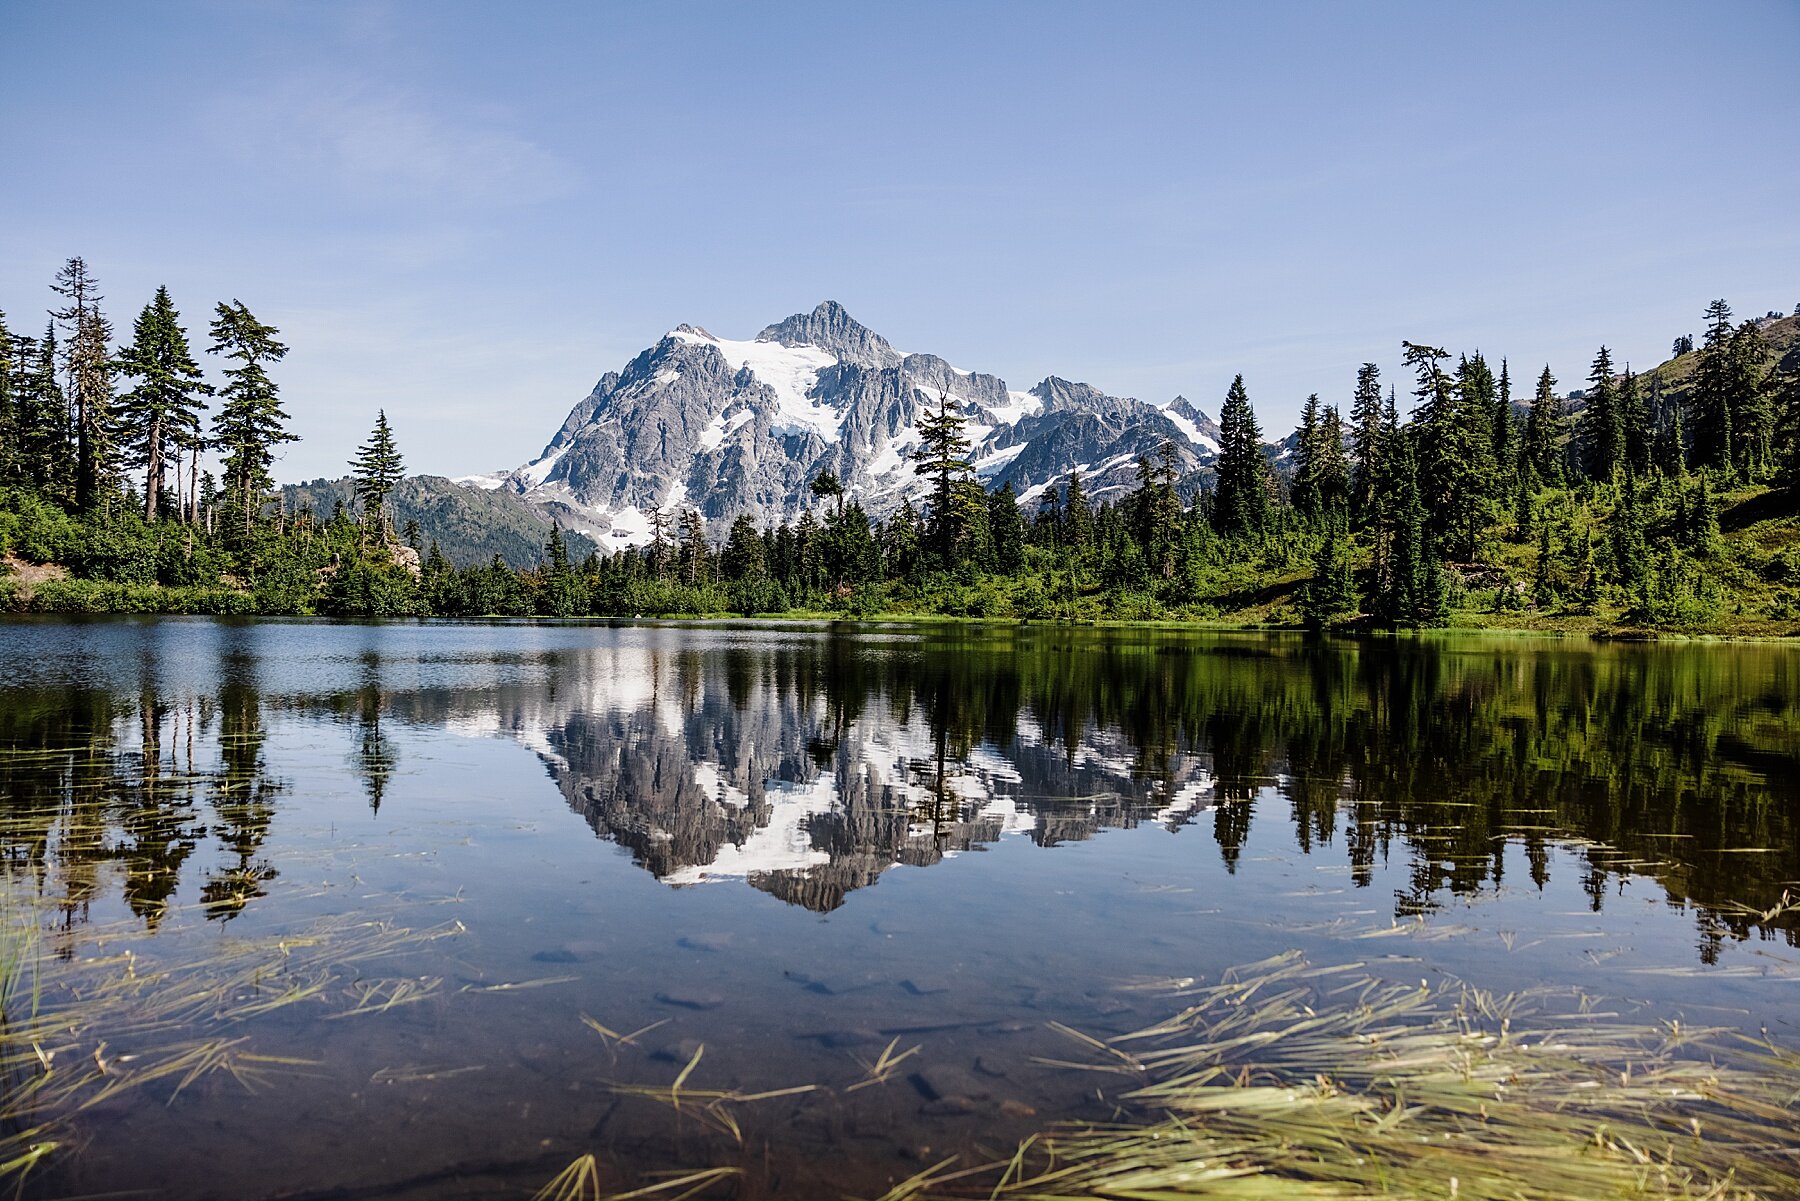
<point x="385" y="145"/>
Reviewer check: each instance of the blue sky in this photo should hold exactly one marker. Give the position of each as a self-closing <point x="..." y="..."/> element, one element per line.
<point x="466" y="213"/>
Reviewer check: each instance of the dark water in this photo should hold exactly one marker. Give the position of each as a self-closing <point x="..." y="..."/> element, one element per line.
<point x="791" y="846"/>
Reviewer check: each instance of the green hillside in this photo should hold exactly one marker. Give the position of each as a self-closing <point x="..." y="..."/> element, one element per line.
<point x="470" y="525"/>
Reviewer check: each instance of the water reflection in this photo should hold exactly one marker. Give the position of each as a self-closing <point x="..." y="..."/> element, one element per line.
<point x="806" y="764"/>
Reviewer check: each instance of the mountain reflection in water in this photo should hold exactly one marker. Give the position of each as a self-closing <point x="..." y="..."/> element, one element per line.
<point x="807" y="762"/>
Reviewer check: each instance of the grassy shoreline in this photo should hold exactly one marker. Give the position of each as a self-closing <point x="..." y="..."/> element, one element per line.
<point x="121" y="600"/>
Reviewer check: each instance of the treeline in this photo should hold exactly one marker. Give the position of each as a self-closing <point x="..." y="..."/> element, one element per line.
<point x="101" y="447"/>
<point x="1471" y="504"/>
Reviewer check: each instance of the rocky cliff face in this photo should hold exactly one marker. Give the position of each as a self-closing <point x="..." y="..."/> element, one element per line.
<point x="730" y="427"/>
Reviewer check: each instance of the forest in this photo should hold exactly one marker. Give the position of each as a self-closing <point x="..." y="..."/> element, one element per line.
<point x="1664" y="501"/>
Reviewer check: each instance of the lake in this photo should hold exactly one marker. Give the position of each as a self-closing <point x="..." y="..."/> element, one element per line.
<point x="501" y="885"/>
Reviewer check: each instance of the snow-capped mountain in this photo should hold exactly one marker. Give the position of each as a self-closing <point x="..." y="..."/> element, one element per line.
<point x="730" y="427"/>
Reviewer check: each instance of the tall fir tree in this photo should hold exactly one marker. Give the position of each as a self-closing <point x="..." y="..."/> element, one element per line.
<point x="1333" y="473"/>
<point x="87" y="381"/>
<point x="250" y="423"/>
<point x="1714" y="394"/>
<point x="1241" y="496"/>
<point x="1640" y="428"/>
<point x="161" y="414"/>
<point x="1304" y="495"/>
<point x="1753" y="418"/>
<point x="1077" y="518"/>
<point x="1603" y="454"/>
<point x="1007" y="527"/>
<point x="375" y="472"/>
<point x="943" y="458"/>
<point x="1453" y="447"/>
<point x="1543" y="427"/>
<point x="1365" y="442"/>
<point x="1506" y="431"/>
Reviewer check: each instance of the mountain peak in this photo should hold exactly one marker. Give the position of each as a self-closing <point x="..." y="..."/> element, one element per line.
<point x="830" y="327"/>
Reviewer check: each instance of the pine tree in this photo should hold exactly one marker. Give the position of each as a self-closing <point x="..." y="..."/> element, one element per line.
<point x="1602" y="425"/>
<point x="1365" y="442"/>
<point x="745" y="556"/>
<point x="250" y="423"/>
<point x="1333" y="474"/>
<point x="942" y="457"/>
<point x="1155" y="510"/>
<point x="561" y="588"/>
<point x="1753" y="418"/>
<point x="694" y="555"/>
<point x="1304" y="495"/>
<point x="1671" y="445"/>
<point x="9" y="417"/>
<point x="1543" y="425"/>
<point x="1078" y="519"/>
<point x="375" y="472"/>
<point x="1543" y="591"/>
<point x="88" y="376"/>
<point x="1506" y="434"/>
<point x="1714" y="394"/>
<point x="1241" y="497"/>
<point x="1454" y="419"/>
<point x="1331" y="592"/>
<point x="45" y="456"/>
<point x="1640" y="431"/>
<point x="825" y="484"/>
<point x="162" y="413"/>
<point x="1007" y="527"/>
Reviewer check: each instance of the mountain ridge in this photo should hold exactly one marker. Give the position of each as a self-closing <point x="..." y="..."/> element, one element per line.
<point x="731" y="426"/>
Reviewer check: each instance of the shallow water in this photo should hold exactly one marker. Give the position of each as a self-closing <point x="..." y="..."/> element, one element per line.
<point x="786" y="848"/>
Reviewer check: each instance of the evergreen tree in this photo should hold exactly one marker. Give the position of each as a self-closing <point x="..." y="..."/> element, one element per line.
<point x="942" y="457"/>
<point x="745" y="556"/>
<point x="825" y="484"/>
<point x="1365" y="443"/>
<point x="561" y="596"/>
<point x="1304" y="495"/>
<point x="375" y="472"/>
<point x="1077" y="519"/>
<point x="1543" y="426"/>
<point x="1454" y="452"/>
<point x="1715" y="392"/>
<point x="1753" y="417"/>
<point x="1241" y="497"/>
<point x="1007" y="526"/>
<point x="1331" y="592"/>
<point x="855" y="556"/>
<point x="1640" y="430"/>
<point x="1333" y="473"/>
<point x="1602" y="426"/>
<point x="901" y="541"/>
<point x="9" y="424"/>
<point x="1671" y="445"/>
<point x="162" y="412"/>
<point x="695" y="556"/>
<point x="1156" y="511"/>
<point x="250" y="423"/>
<point x="1505" y="437"/>
<point x="88" y="376"/>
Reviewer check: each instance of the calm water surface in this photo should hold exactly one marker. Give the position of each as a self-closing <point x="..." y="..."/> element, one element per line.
<point x="781" y="848"/>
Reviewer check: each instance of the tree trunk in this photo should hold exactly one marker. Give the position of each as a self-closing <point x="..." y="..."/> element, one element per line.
<point x="153" y="474"/>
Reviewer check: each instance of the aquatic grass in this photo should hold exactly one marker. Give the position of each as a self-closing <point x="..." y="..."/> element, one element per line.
<point x="882" y="1068"/>
<point x="80" y="1030"/>
<point x="1289" y="1080"/>
<point x="712" y="1107"/>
